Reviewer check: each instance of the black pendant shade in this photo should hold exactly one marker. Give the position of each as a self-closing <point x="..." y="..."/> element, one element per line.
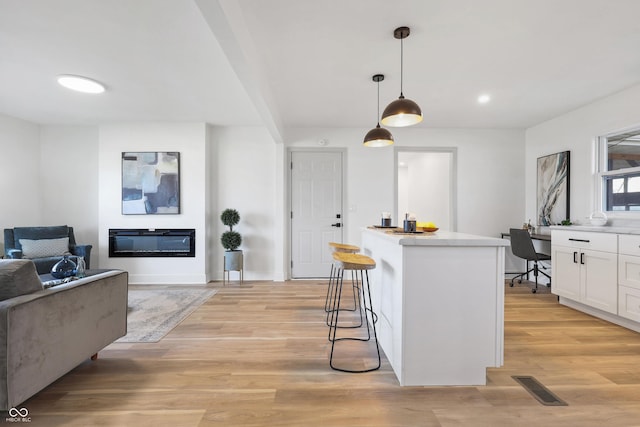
<point x="378" y="136"/>
<point x="402" y="111"/>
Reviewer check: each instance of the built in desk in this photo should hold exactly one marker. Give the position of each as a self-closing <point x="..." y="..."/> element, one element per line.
<point x="534" y="236"/>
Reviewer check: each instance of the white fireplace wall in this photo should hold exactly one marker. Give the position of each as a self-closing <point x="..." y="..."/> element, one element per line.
<point x="190" y="140"/>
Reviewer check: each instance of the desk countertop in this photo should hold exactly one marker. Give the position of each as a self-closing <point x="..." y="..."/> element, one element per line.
<point x="535" y="236"/>
<point x="597" y="229"/>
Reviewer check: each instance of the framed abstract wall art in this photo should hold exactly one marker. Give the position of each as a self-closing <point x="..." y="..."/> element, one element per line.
<point x="150" y="183"/>
<point x="553" y="188"/>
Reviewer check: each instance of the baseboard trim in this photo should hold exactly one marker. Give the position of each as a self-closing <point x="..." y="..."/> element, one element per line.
<point x="613" y="318"/>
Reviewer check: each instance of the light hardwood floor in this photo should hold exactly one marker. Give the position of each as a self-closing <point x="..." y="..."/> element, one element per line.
<point x="257" y="355"/>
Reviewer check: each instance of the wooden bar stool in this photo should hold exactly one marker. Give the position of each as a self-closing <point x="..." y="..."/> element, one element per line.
<point x="356" y="263"/>
<point x="343" y="247"/>
<point x="338" y="247"/>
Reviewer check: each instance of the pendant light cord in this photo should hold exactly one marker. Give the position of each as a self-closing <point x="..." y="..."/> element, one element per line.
<point x="401" y="65"/>
<point x="378" y="115"/>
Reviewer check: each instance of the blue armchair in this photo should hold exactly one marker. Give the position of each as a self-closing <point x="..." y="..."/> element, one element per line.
<point x="44" y="245"/>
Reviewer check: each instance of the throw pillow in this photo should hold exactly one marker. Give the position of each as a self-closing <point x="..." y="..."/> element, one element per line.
<point x="43" y="248"/>
<point x="18" y="277"/>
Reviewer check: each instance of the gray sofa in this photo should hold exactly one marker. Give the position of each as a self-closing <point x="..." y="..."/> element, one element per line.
<point x="45" y="333"/>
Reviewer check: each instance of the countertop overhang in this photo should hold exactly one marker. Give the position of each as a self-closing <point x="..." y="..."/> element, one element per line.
<point x="438" y="238"/>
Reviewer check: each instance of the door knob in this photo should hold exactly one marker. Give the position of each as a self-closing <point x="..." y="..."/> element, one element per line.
<point x="337" y="224"/>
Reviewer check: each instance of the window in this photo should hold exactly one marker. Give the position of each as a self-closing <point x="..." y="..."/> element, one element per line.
<point x="620" y="171"/>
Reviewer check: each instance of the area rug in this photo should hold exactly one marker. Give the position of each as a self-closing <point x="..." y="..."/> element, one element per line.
<point x="153" y="313"/>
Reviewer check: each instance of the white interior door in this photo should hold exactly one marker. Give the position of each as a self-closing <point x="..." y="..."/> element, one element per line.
<point x="316" y="211"/>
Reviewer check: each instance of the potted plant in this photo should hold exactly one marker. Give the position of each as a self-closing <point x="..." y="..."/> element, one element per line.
<point x="231" y="240"/>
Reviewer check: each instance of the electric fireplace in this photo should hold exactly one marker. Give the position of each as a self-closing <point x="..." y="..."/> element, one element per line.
<point x="153" y="242"/>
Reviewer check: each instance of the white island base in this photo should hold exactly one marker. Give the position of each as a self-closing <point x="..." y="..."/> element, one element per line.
<point x="440" y="304"/>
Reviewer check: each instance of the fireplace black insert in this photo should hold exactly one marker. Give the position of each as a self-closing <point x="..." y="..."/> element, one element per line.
<point x="154" y="242"/>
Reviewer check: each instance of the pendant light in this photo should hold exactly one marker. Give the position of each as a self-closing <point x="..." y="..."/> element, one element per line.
<point x="378" y="136"/>
<point x="402" y="111"/>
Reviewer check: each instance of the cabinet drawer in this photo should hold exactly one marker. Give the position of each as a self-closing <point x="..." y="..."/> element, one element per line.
<point x="629" y="303"/>
<point x="629" y="271"/>
<point x="629" y="244"/>
<point x="605" y="242"/>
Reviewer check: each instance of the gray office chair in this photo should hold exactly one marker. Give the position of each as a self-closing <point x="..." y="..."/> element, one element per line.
<point x="522" y="247"/>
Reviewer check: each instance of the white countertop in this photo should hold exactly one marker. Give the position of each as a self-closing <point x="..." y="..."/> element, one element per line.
<point x="438" y="238"/>
<point x="597" y="229"/>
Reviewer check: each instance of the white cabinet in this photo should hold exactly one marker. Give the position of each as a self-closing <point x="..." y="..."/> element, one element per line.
<point x="565" y="273"/>
<point x="629" y="303"/>
<point x="584" y="268"/>
<point x="629" y="277"/>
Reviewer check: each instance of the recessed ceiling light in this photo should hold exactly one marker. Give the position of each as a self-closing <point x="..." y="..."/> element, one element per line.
<point x="80" y="84"/>
<point x="483" y="99"/>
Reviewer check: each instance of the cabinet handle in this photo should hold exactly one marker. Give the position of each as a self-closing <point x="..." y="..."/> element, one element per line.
<point x="580" y="240"/>
<point x="575" y="261"/>
<point x="582" y="258"/>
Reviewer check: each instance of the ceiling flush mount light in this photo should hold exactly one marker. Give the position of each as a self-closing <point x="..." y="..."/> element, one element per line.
<point x="378" y="136"/>
<point x="80" y="84"/>
<point x="484" y="98"/>
<point x="402" y="111"/>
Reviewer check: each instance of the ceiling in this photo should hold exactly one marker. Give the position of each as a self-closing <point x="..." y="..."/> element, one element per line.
<point x="309" y="63"/>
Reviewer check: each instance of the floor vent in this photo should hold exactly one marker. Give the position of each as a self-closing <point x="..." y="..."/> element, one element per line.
<point x="540" y="392"/>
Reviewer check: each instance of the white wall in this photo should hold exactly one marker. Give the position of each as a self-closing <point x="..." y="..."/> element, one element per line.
<point x="577" y="131"/>
<point x="20" y="174"/>
<point x="490" y="181"/>
<point x="244" y="169"/>
<point x="51" y="174"/>
<point x="403" y="196"/>
<point x="244" y="178"/>
<point x="220" y="167"/>
<point x="424" y="187"/>
<point x="70" y="181"/>
<point x="190" y="140"/>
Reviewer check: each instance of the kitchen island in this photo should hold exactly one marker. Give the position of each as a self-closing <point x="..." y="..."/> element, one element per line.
<point x="439" y="298"/>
